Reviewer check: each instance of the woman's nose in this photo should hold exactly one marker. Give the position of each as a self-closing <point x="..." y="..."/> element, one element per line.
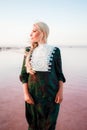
<point x="31" y="34"/>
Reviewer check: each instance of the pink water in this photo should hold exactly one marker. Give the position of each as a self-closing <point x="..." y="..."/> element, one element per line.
<point x="73" y="111"/>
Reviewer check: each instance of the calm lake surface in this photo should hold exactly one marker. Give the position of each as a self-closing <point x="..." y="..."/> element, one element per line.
<point x="73" y="112"/>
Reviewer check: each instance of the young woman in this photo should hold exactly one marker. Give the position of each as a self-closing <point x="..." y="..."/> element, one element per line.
<point x="42" y="80"/>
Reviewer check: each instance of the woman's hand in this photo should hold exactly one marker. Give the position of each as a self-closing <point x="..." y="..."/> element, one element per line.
<point x="59" y="95"/>
<point x="28" y="98"/>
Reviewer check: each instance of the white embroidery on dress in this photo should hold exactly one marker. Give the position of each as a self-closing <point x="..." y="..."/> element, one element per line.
<point x="42" y="57"/>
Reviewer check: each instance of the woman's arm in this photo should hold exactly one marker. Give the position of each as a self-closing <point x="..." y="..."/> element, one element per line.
<point x="61" y="78"/>
<point x="59" y="95"/>
<point x="27" y="95"/>
<point x="24" y="79"/>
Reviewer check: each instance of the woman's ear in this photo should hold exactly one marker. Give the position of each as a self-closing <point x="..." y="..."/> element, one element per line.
<point x="44" y="36"/>
<point x="41" y="36"/>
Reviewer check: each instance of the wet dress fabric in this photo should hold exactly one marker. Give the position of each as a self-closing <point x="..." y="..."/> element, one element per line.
<point x="43" y="86"/>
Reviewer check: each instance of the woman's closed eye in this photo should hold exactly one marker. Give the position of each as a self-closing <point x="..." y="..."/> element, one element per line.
<point x="34" y="30"/>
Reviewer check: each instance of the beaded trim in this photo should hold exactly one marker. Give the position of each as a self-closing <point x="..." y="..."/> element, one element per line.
<point x="42" y="56"/>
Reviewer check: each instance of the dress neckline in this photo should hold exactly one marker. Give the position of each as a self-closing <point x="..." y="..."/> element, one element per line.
<point x="42" y="45"/>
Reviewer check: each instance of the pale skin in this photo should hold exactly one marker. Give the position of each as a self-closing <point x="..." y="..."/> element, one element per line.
<point x="38" y="36"/>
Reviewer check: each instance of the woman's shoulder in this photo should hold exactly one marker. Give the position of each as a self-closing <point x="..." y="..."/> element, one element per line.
<point x="56" y="51"/>
<point x="56" y="48"/>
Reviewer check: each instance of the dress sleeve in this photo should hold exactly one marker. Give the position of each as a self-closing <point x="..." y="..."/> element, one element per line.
<point x="58" y="66"/>
<point x="24" y="75"/>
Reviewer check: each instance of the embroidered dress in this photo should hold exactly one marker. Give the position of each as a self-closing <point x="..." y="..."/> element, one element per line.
<point x="43" y="86"/>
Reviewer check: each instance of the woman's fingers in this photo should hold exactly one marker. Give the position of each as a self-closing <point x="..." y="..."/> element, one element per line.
<point x="58" y="99"/>
<point x="29" y="99"/>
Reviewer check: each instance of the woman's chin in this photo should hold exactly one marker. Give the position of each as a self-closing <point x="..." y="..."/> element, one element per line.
<point x="32" y="41"/>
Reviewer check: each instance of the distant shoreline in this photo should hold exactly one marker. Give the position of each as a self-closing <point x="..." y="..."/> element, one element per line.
<point x="61" y="46"/>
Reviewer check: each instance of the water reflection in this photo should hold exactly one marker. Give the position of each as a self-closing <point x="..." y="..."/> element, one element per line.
<point x="75" y="91"/>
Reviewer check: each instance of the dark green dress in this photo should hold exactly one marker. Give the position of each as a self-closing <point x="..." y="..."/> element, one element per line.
<point x="43" y="87"/>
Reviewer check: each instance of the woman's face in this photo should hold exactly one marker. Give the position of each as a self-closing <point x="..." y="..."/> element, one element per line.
<point x="35" y="35"/>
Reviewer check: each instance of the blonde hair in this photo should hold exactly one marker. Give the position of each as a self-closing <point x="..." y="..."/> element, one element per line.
<point x="45" y="29"/>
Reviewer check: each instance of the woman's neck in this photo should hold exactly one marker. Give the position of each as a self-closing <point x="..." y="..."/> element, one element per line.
<point x="42" y="42"/>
